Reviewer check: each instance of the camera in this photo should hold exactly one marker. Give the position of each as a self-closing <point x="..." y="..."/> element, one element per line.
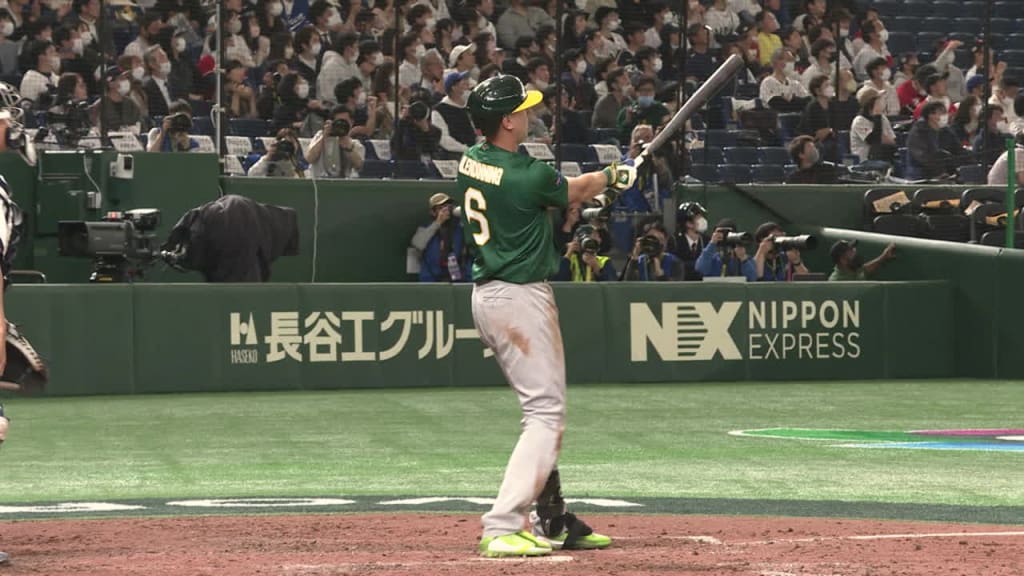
<point x="650" y="245"/>
<point x="730" y="238"/>
<point x="180" y="122"/>
<point x="597" y="214"/>
<point x="118" y="244"/>
<point x="339" y="128"/>
<point x="587" y="243"/>
<point x="803" y="242"/>
<point x="285" y="150"/>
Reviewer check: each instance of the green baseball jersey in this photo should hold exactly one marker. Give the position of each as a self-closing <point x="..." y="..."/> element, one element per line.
<point x="505" y="208"/>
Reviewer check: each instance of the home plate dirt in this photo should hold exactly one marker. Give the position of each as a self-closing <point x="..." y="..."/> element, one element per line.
<point x="445" y="544"/>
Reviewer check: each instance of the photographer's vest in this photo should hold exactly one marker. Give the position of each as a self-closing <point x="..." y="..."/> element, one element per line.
<point x="583" y="273"/>
<point x="460" y="127"/>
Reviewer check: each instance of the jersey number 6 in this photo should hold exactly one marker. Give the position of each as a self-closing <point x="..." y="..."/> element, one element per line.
<point x="476" y="204"/>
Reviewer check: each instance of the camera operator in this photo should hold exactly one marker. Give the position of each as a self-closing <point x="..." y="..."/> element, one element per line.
<point x="581" y="262"/>
<point x="441" y="246"/>
<point x="283" y="158"/>
<point x="850" y="265"/>
<point x="692" y="225"/>
<point x="649" y="261"/>
<point x="771" y="266"/>
<point x="726" y="254"/>
<point x="416" y="138"/>
<point x="172" y="136"/>
<point x="333" y="153"/>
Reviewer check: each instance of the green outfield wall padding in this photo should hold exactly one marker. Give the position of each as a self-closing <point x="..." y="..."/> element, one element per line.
<point x="147" y="338"/>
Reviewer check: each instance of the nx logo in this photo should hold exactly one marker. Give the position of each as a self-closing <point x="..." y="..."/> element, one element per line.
<point x="687" y="331"/>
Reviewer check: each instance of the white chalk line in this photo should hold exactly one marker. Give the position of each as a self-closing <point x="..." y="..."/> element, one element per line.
<point x="421" y="564"/>
<point x="699" y="539"/>
<point x="925" y="536"/>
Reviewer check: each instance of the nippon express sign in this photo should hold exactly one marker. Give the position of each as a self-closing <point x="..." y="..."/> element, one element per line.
<point x="751" y="330"/>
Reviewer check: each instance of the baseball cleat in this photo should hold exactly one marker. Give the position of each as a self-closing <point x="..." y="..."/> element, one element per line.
<point x="567" y="532"/>
<point x="515" y="544"/>
<point x="588" y="542"/>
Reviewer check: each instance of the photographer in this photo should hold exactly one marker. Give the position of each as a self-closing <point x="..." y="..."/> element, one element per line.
<point x="649" y="260"/>
<point x="416" y="138"/>
<point x="441" y="246"/>
<point x="333" y="153"/>
<point x="771" y="266"/>
<point x="283" y="158"/>
<point x="581" y="262"/>
<point x="726" y="254"/>
<point x="692" y="225"/>
<point x="850" y="265"/>
<point x="69" y="117"/>
<point x="173" y="136"/>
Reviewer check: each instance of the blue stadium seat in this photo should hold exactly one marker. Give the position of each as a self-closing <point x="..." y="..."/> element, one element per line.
<point x="1013" y="58"/>
<point x="970" y="24"/>
<point x="708" y="155"/>
<point x="250" y="127"/>
<point x="973" y="174"/>
<point x="375" y="169"/>
<point x="901" y="42"/>
<point x="578" y="153"/>
<point x="201" y="107"/>
<point x="769" y="173"/>
<point x="942" y="25"/>
<point x="917" y="9"/>
<point x="788" y="125"/>
<point x="738" y="173"/>
<point x="202" y="125"/>
<point x="905" y="24"/>
<point x="603" y="135"/>
<point x="740" y="155"/>
<point x="1003" y="26"/>
<point x="704" y="172"/>
<point x="947" y="9"/>
<point x="774" y="155"/>
<point x="889" y="9"/>
<point x="721" y="138"/>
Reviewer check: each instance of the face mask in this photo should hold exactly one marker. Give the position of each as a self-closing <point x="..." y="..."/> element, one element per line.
<point x="421" y="51"/>
<point x="1003" y="127"/>
<point x="886" y="75"/>
<point x="302" y="90"/>
<point x="335" y="18"/>
<point x="165" y="68"/>
<point x="55" y="63"/>
<point x="123" y="87"/>
<point x="179" y="44"/>
<point x="626" y="90"/>
<point x="361" y="99"/>
<point x="77" y="46"/>
<point x="138" y="72"/>
<point x="276" y="9"/>
<point x="645" y="101"/>
<point x="844" y="32"/>
<point x="976" y="109"/>
<point x="613" y="24"/>
<point x="315" y="48"/>
<point x="431" y="24"/>
<point x="700" y="224"/>
<point x="581" y="67"/>
<point x="813" y="156"/>
<point x="481" y="24"/>
<point x="790" y="68"/>
<point x="658" y="64"/>
<point x="829" y="92"/>
<point x="7" y="29"/>
<point x="943" y="121"/>
<point x="884" y="35"/>
<point x="671" y="18"/>
<point x="851" y="86"/>
<point x="378" y="59"/>
<point x="235" y="26"/>
<point x="289" y="52"/>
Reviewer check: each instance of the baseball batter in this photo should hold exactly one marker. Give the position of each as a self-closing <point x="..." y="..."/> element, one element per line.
<point x="510" y="234"/>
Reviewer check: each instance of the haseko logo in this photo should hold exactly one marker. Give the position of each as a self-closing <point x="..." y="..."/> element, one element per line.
<point x="775" y="330"/>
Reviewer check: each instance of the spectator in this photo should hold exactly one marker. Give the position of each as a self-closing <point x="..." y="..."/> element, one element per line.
<point x="998" y="175"/>
<point x="662" y="17"/>
<point x="966" y="120"/>
<point x="700" y="63"/>
<point x="9" y="47"/>
<point x="173" y="136"/>
<point x="452" y="117"/>
<point x="810" y="168"/>
<point x="721" y="258"/>
<point x="871" y="134"/>
<point x="691" y="237"/>
<point x="635" y="40"/>
<point x="976" y="87"/>
<point x="38" y="82"/>
<point x="184" y="74"/>
<point x="415" y="138"/>
<point x="71" y="50"/>
<point x="376" y="120"/>
<point x="905" y="68"/>
<point x="605" y="42"/>
<point x="978" y="69"/>
<point x="817" y="119"/>
<point x="722" y="20"/>
<point x="930" y="157"/>
<point x="845" y="104"/>
<point x="138" y="73"/>
<point x="283" y="158"/>
<point x="767" y="41"/>
<point x="649" y="260"/>
<point x="117" y="111"/>
<point x="339" y="63"/>
<point x="538" y="73"/>
<point x="150" y="26"/>
<point x="1004" y="95"/>
<point x="822" y="53"/>
<point x="67" y="118"/>
<point x="432" y="73"/>
<point x="935" y="85"/>
<point x="294" y="103"/>
<point x="878" y="80"/>
<point x="608" y="108"/>
<point x="333" y="153"/>
<point x="769" y="265"/>
<point x="573" y="128"/>
<point x="814" y="14"/>
<point x="269" y="17"/>
<point x="268" y="99"/>
<point x="874" y="48"/>
<point x="794" y="42"/>
<point x="239" y="97"/>
<point x="850" y="266"/>
<point x="462" y="58"/>
<point x="581" y="261"/>
<point x="912" y="92"/>
<point x="370" y="59"/>
<point x="526" y="48"/>
<point x="646" y="195"/>
<point x="410" y="50"/>
<point x="158" y="92"/>
<point x="646" y="110"/>
<point x="520" y="20"/>
<point x="648" y="65"/>
<point x="778" y="91"/>
<point x="440" y="245"/>
<point x="444" y="36"/>
<point x="944" y="62"/>
<point x="990" y="141"/>
<point x="307" y="57"/>
<point x="671" y="51"/>
<point x="575" y="82"/>
<point x="326" y="22"/>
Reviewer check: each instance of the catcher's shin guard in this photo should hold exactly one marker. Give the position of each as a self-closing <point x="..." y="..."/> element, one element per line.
<point x="25" y="370"/>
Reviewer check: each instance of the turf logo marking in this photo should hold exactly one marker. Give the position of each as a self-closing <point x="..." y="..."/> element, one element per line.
<point x="261" y="502"/>
<point x="971" y="439"/>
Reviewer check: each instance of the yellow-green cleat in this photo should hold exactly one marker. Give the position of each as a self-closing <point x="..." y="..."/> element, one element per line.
<point x="589" y="542"/>
<point x="511" y="545"/>
<point x="567" y="532"/>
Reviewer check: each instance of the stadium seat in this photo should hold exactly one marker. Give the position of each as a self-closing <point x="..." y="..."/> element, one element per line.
<point x="982" y="195"/>
<point x="603" y="135"/>
<point x="1013" y="58"/>
<point x="947" y="9"/>
<point x="202" y="125"/>
<point x="578" y="153"/>
<point x="844" y="142"/>
<point x="787" y="126"/>
<point x="378" y="149"/>
<point x="251" y="127"/>
<point x="942" y="25"/>
<point x="721" y="138"/>
<point x="704" y="172"/>
<point x="736" y="173"/>
<point x="970" y="24"/>
<point x="769" y="173"/>
<point x="741" y="155"/>
<point x="898" y="225"/>
<point x="905" y="23"/>
<point x="1003" y="26"/>
<point x="774" y="155"/>
<point x="708" y="155"/>
<point x="998" y="238"/>
<point x="375" y="169"/>
<point x="972" y="174"/>
<point x="926" y="40"/>
<point x="917" y="9"/>
<point x="951" y="227"/>
<point x="902" y="42"/>
<point x="937" y="200"/>
<point x="889" y="9"/>
<point x="875" y="194"/>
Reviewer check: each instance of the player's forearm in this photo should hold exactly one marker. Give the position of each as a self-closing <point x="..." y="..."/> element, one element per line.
<point x="584" y="188"/>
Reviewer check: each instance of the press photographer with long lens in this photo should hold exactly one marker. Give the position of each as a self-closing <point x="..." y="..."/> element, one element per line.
<point x="440" y="245"/>
<point x="283" y="158"/>
<point x="726" y="254"/>
<point x="649" y="260"/>
<point x="582" y="261"/>
<point x="172" y="136"/>
<point x="333" y="153"/>
<point x="778" y="257"/>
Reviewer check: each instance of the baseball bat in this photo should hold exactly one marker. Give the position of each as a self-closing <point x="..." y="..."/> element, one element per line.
<point x="712" y="85"/>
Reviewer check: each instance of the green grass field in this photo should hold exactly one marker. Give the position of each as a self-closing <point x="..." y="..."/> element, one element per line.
<point x="622" y="441"/>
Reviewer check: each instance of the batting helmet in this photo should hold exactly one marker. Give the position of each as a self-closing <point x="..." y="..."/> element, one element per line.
<point x="499" y="96"/>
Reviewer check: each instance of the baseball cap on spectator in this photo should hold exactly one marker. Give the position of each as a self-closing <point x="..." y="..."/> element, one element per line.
<point x="452" y="78"/>
<point x="840" y="248"/>
<point x="923" y="72"/>
<point x="439" y="199"/>
<point x="742" y="29"/>
<point x="457" y="52"/>
<point x="975" y="81"/>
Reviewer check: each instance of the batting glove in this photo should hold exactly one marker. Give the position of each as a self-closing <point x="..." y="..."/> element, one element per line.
<point x="620" y="176"/>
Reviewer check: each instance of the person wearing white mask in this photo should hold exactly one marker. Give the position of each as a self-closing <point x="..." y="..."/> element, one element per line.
<point x="149" y="28"/>
<point x="611" y="41"/>
<point x="411" y="50"/>
<point x="930" y="155"/>
<point x="878" y="80"/>
<point x="269" y="16"/>
<point x="780" y="93"/>
<point x="327" y="22"/>
<point x="307" y="56"/>
<point x="118" y="112"/>
<point x="662" y="16"/>
<point x="539" y="74"/>
<point x="722" y="20"/>
<point x="873" y="49"/>
<point x="816" y="120"/>
<point x="935" y="86"/>
<point x="823" y="53"/>
<point x="339" y="63"/>
<point x="814" y="13"/>
<point x="184" y="72"/>
<point x="40" y="79"/>
<point x="157" y="91"/>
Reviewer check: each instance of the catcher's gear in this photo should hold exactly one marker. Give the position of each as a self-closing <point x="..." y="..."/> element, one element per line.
<point x="25" y="371"/>
<point x="500" y="96"/>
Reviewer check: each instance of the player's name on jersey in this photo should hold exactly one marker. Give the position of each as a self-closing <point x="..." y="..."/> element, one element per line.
<point x="480" y="171"/>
